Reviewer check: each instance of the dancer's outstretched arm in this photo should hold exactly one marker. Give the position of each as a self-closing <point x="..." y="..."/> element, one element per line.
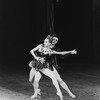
<point x="64" y="52"/>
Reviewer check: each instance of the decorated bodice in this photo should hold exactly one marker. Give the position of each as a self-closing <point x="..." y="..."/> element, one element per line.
<point x="41" y="54"/>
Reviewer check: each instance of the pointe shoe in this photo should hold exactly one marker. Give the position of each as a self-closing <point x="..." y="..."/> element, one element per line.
<point x="60" y="95"/>
<point x="34" y="96"/>
<point x="36" y="93"/>
<point x="73" y="96"/>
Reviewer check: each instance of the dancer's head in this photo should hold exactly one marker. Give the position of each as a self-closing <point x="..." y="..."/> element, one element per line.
<point x="48" y="41"/>
<point x="55" y="39"/>
<point x="51" y="40"/>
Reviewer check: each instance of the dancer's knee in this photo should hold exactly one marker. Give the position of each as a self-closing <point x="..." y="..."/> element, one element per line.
<point x="31" y="77"/>
<point x="54" y="80"/>
<point x="37" y="77"/>
<point x="31" y="80"/>
<point x="60" y="81"/>
<point x="31" y="74"/>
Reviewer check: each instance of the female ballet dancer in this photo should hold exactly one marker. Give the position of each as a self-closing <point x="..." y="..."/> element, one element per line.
<point x="38" y="75"/>
<point x="54" y="64"/>
<point x="41" y="63"/>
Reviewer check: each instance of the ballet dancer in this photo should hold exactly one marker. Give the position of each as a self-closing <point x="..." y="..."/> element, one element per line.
<point x="35" y="71"/>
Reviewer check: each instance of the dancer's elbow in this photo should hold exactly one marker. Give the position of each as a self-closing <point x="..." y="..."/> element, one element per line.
<point x="31" y="51"/>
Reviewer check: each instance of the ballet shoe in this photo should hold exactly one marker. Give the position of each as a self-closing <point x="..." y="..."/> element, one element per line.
<point x="73" y="96"/>
<point x="34" y="96"/>
<point x="60" y="95"/>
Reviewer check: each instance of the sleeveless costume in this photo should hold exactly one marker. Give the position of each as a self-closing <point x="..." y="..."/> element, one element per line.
<point x="49" y="61"/>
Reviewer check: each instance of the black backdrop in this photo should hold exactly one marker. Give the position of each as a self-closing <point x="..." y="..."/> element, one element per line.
<point x="24" y="25"/>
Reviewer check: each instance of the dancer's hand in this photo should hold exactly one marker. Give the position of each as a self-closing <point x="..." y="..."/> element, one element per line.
<point x="42" y="60"/>
<point x="73" y="52"/>
<point x="37" y="58"/>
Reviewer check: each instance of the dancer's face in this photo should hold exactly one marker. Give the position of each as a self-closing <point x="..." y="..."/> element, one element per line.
<point x="55" y="40"/>
<point x="46" y="42"/>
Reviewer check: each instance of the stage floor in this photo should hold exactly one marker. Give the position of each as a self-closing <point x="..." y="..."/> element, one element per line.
<point x="15" y="86"/>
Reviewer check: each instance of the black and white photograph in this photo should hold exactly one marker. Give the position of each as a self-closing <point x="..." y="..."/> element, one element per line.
<point x="49" y="50"/>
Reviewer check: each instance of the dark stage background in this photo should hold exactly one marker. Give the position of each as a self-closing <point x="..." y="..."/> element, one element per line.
<point x="23" y="25"/>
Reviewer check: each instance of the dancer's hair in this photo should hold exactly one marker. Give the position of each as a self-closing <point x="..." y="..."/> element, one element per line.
<point x="49" y="38"/>
<point x="55" y="35"/>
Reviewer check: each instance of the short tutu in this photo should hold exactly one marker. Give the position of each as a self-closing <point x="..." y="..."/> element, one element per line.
<point x="38" y="65"/>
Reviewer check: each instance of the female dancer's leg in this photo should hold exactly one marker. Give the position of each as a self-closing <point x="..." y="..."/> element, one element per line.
<point x="36" y="84"/>
<point x="50" y="74"/>
<point x="32" y="74"/>
<point x="62" y="83"/>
